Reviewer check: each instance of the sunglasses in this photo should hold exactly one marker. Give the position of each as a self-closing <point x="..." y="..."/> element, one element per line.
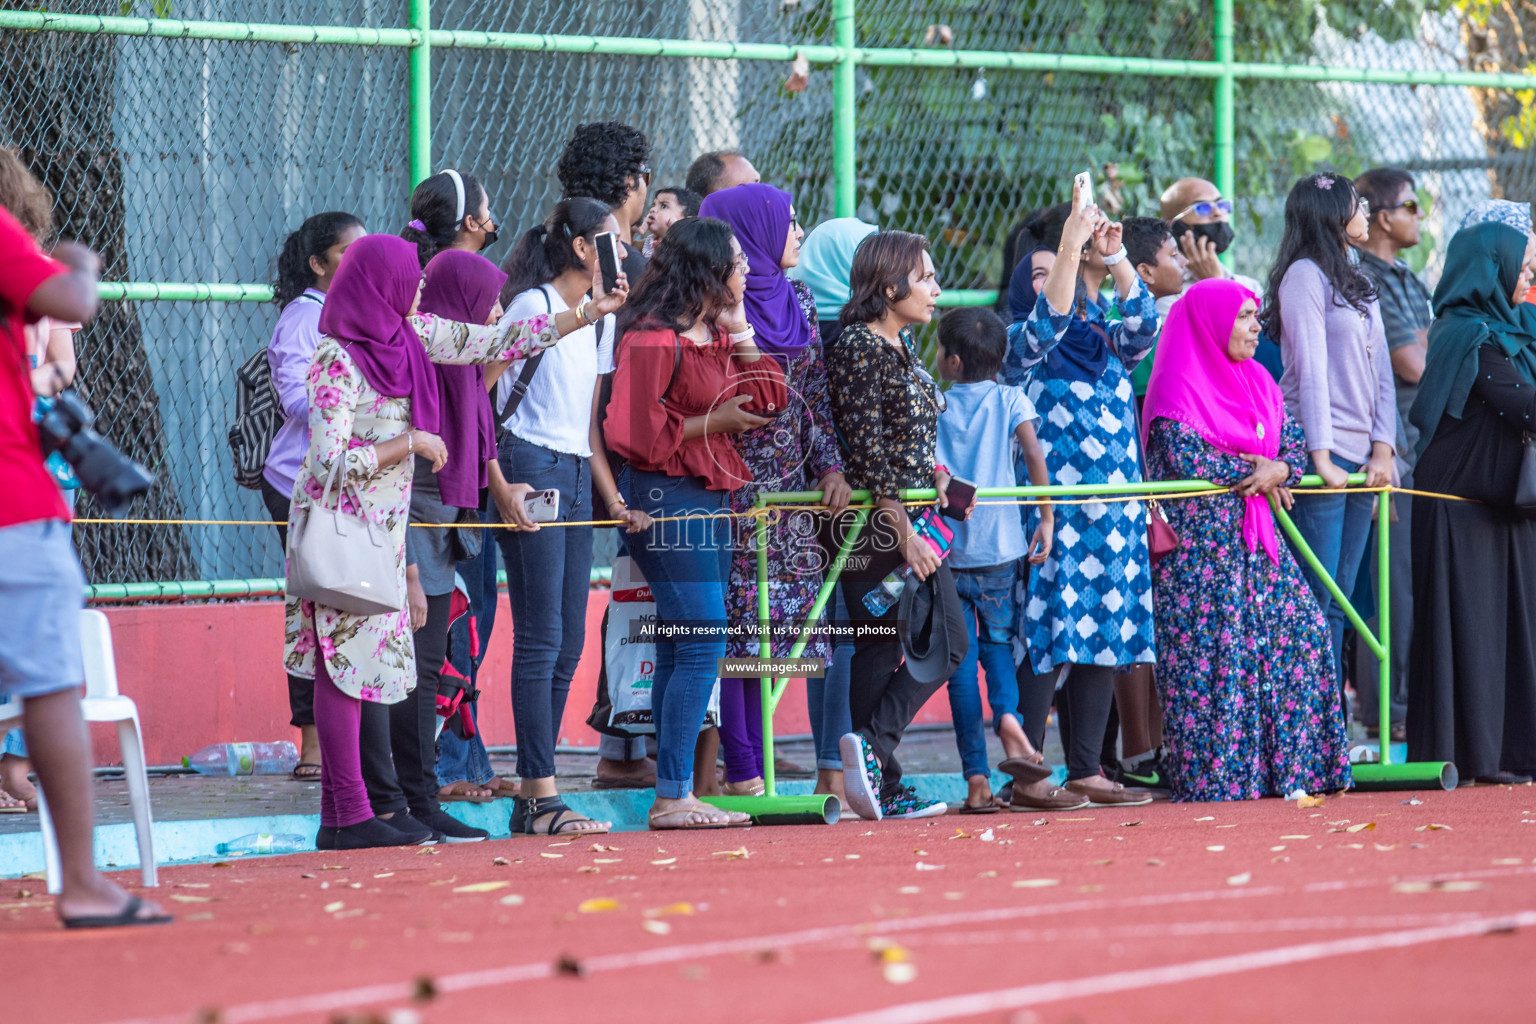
<point x="930" y="389"/>
<point x="1412" y="206"/>
<point x="1208" y="208"/>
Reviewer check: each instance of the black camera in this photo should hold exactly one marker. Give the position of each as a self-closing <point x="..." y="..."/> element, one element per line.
<point x="111" y="476"/>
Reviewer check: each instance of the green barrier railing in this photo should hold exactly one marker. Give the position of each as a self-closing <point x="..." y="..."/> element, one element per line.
<point x="844" y="56"/>
<point x="1382" y="775"/>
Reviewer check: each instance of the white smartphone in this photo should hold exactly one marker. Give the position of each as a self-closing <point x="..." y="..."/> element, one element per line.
<point x="1082" y="186"/>
<point x="542" y="506"/>
<point x="608" y="258"/>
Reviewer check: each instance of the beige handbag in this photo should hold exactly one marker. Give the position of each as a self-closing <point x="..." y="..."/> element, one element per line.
<point x="342" y="561"/>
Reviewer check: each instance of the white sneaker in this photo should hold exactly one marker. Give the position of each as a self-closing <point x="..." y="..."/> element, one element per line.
<point x="861" y="776"/>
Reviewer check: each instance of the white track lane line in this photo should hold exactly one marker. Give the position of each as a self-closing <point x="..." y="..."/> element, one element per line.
<point x="392" y="992"/>
<point x="951" y="1007"/>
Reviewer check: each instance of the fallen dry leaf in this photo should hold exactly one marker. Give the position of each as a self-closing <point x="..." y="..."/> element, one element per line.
<point x="1276" y="849"/>
<point x="385" y="874"/>
<point x="597" y="905"/>
<point x="1364" y="826"/>
<point x="588" y="869"/>
<point x="1242" y="879"/>
<point x="1433" y="828"/>
<point x="331" y="908"/>
<point x="740" y="853"/>
<point x="850" y="856"/>
<point x="1386" y="846"/>
<point x="670" y="909"/>
<point x="552" y="856"/>
<point x="511" y="900"/>
<point x="1102" y="863"/>
<point x="1309" y="801"/>
<point x="1208" y="817"/>
<point x="181" y="897"/>
<point x="180" y="885"/>
<point x="1036" y="883"/>
<point x="1130" y="824"/>
<point x="909" y="889"/>
<point x="987" y="874"/>
<point x="664" y="861"/>
<point x="500" y="862"/>
<point x="1295" y="837"/>
<point x="333" y="867"/>
<point x="656" y="927"/>
<point x="481" y="887"/>
<point x="929" y="867"/>
<point x="607" y="860"/>
<point x="1215" y="849"/>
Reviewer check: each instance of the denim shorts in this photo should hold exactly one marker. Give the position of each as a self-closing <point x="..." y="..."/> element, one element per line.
<point x="41" y="593"/>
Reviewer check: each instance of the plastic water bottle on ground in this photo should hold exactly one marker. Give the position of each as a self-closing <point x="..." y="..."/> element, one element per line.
<point x="244" y="759"/>
<point x="264" y="842"/>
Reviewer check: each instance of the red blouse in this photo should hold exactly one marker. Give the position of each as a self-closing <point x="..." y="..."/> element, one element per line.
<point x="648" y="433"/>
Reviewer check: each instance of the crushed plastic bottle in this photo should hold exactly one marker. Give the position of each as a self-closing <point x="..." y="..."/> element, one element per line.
<point x="244" y="759"/>
<point x="264" y="842"/>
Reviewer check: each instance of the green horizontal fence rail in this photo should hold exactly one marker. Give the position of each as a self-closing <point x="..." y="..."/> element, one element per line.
<point x="1383" y="775"/>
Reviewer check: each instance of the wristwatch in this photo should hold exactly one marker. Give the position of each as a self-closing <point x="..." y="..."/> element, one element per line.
<point x="1114" y="258"/>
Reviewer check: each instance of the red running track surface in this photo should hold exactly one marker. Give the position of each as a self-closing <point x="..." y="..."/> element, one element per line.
<point x="1193" y="912"/>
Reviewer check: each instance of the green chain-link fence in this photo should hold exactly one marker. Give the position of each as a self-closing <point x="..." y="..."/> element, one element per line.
<point x="184" y="138"/>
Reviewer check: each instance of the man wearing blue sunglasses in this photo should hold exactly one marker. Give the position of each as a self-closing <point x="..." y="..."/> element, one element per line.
<point x="1201" y="220"/>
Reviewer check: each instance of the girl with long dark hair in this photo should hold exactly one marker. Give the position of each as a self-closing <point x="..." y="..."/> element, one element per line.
<point x="1338" y="375"/>
<point x="306" y="265"/>
<point x="689" y="376"/>
<point x="553" y="440"/>
<point x="450" y="210"/>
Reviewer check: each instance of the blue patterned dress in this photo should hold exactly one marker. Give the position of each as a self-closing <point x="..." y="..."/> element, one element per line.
<point x="1250" y="707"/>
<point x="1090" y="603"/>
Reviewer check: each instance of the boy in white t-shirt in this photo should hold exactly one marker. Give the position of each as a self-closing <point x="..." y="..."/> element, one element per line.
<point x="981" y="421"/>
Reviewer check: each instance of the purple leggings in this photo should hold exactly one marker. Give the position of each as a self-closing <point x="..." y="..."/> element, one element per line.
<point x="338" y="720"/>
<point x="741" y="728"/>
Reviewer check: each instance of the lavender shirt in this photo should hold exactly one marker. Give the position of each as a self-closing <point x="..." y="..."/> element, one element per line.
<point x="1338" y="375"/>
<point x="292" y="350"/>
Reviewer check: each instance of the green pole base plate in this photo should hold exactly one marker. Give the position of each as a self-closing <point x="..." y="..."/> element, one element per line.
<point x="816" y="809"/>
<point x="1415" y="775"/>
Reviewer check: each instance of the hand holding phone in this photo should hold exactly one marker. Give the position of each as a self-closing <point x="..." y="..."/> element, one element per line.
<point x="1082" y="191"/>
<point x="959" y="497"/>
<point x="542" y="506"/>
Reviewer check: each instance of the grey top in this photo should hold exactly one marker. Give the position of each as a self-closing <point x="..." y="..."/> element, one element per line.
<point x="1338" y="380"/>
<point x="430" y="550"/>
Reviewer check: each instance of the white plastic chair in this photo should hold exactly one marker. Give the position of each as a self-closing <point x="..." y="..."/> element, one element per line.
<point x="102" y="703"/>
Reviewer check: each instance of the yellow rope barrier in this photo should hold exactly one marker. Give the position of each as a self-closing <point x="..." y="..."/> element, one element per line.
<point x="773" y="512"/>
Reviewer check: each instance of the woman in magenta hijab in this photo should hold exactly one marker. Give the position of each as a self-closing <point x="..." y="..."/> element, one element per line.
<point x="795" y="450"/>
<point x="374" y="402"/>
<point x="1245" y="670"/>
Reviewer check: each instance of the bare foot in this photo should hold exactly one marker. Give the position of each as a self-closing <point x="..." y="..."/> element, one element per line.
<point x="99" y="898"/>
<point x="309" y="745"/>
<point x="979" y="791"/>
<point x="1015" y="743"/>
<point x="690" y="812"/>
<point x="829" y="780"/>
<point x="641" y="771"/>
<point x="14" y="781"/>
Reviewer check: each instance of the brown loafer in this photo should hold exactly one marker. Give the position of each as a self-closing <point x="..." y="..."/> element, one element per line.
<point x="1055" y="799"/>
<point x="1118" y="796"/>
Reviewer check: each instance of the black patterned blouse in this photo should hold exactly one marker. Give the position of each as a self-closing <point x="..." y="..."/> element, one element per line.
<point x="885" y="408"/>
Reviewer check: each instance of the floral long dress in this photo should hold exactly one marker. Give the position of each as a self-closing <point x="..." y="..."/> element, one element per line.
<point x="792" y="453"/>
<point x="373" y="657"/>
<point x="1250" y="706"/>
<point x="1090" y="603"/>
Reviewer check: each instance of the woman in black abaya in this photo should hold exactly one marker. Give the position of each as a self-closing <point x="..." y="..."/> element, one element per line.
<point x="1472" y="697"/>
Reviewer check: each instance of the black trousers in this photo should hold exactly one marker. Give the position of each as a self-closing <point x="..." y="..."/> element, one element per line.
<point x="1087" y="700"/>
<point x="413" y="721"/>
<point x="301" y="692"/>
<point x="883" y="698"/>
<point x="378" y="763"/>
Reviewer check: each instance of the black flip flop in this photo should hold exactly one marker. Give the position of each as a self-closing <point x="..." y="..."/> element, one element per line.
<point x="991" y="808"/>
<point x="305" y="778"/>
<point x="128" y="916"/>
<point x="1024" y="771"/>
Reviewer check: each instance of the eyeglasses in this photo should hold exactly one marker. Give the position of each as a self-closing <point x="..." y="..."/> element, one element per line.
<point x="1412" y="206"/>
<point x="1363" y="205"/>
<point x="930" y="389"/>
<point x="1208" y="208"/>
<point x="740" y="263"/>
<point x="645" y="174"/>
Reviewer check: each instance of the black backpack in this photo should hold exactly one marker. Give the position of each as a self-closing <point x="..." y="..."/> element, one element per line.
<point x="258" y="415"/>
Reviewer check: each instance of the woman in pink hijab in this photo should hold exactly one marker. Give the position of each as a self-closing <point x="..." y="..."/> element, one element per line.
<point x="1245" y="671"/>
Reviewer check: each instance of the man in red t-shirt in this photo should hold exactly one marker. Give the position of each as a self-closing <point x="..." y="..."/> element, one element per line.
<point x="41" y="584"/>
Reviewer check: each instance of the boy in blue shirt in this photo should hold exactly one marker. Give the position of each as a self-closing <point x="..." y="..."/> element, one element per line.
<point x="980" y="422"/>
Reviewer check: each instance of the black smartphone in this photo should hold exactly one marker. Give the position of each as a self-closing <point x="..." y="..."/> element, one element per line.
<point x="958" y="497"/>
<point x="608" y="258"/>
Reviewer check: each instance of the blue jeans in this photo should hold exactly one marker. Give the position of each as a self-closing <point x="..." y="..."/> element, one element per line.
<point x="466" y="760"/>
<point x="687" y="565"/>
<point x="827" y="699"/>
<point x="549" y="573"/>
<point x="987" y="597"/>
<point x="1336" y="528"/>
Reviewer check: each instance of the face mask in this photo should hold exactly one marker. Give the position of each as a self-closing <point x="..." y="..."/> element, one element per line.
<point x="491" y="235"/>
<point x="1220" y="233"/>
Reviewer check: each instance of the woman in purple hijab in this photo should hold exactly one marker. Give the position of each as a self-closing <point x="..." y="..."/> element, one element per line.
<point x="374" y="400"/>
<point x="797" y="451"/>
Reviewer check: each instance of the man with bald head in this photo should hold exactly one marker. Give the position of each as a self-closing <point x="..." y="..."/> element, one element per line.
<point x="1201" y="220"/>
<point x="720" y="170"/>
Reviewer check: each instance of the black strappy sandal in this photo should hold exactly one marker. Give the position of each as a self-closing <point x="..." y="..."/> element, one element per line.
<point x="125" y="918"/>
<point x="528" y="809"/>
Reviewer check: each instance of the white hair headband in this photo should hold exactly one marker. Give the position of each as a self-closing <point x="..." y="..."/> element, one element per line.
<point x="458" y="191"/>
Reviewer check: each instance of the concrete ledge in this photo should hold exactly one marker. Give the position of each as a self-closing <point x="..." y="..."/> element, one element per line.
<point x="195" y="841"/>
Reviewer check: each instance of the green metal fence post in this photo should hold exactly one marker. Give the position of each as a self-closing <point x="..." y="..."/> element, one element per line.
<point x="844" y="125"/>
<point x="420" y="91"/>
<point x="1224" y="127"/>
<point x="1384" y="622"/>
